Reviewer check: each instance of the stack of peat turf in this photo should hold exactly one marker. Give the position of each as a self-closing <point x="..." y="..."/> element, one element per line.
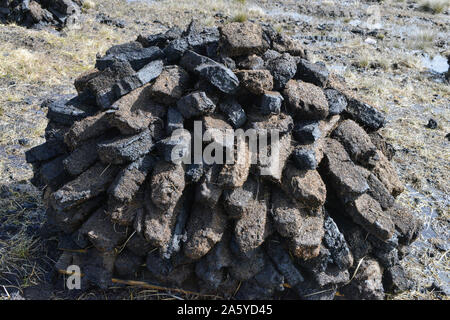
<point x="305" y="212"/>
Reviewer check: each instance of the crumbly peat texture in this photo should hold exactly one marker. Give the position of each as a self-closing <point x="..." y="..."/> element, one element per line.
<point x="40" y="13"/>
<point x="297" y="224"/>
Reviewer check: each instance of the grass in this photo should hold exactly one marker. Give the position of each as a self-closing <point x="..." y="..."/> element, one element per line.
<point x="421" y="39"/>
<point x="434" y="6"/>
<point x="240" y="17"/>
<point x="87" y="5"/>
<point x="371" y="59"/>
<point x="21" y="255"/>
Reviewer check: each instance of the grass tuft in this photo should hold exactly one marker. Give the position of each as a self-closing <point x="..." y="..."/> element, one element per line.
<point x="240" y="17"/>
<point x="87" y="5"/>
<point x="434" y="6"/>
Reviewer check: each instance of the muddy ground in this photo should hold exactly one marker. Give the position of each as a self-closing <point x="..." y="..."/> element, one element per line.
<point x="390" y="52"/>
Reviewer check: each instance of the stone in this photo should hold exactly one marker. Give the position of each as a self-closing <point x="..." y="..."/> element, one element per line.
<point x="136" y="58"/>
<point x="148" y="73"/>
<point x="306" y="132"/>
<point x="235" y="174"/>
<point x="342" y="174"/>
<point x="176" y="147"/>
<point x="255" y="81"/>
<point x="377" y="189"/>
<point x="270" y="103"/>
<point x="366" y="212"/>
<point x="53" y="173"/>
<point x="160" y="39"/>
<point x="174" y="120"/>
<point x="135" y="112"/>
<point x="208" y="190"/>
<point x="195" y="104"/>
<point x="387" y="174"/>
<point x="126" y="149"/>
<point x="237" y="39"/>
<point x="306" y="100"/>
<point x="306" y="187"/>
<point x="81" y="158"/>
<point x="304" y="159"/>
<point x="315" y="73"/>
<point x="251" y="62"/>
<point x="216" y="130"/>
<point x="67" y="111"/>
<point x="366" y="115"/>
<point x="432" y="124"/>
<point x="283" y="69"/>
<point x="367" y="284"/>
<point x="406" y="223"/>
<point x="194" y="172"/>
<point x="282" y="261"/>
<point x="86" y="129"/>
<point x="169" y="87"/>
<point x="215" y="73"/>
<point x="381" y="144"/>
<point x="204" y="229"/>
<point x="69" y="220"/>
<point x="395" y="279"/>
<point x="175" y="49"/>
<point x="283" y="43"/>
<point x="250" y="229"/>
<point x="167" y="182"/>
<point x="88" y="185"/>
<point x="237" y="200"/>
<point x="129" y="179"/>
<point x="102" y="85"/>
<point x="306" y="243"/>
<point x="159" y="224"/>
<point x="219" y="76"/>
<point x="233" y="111"/>
<point x="272" y="158"/>
<point x="245" y="267"/>
<point x="100" y="231"/>
<point x="282" y="123"/>
<point x="337" y="103"/>
<point x="124" y="48"/>
<point x="356" y="142"/>
<point x="336" y="244"/>
<point x="46" y="151"/>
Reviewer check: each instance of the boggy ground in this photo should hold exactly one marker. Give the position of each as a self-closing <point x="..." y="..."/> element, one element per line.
<point x="390" y="52"/>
